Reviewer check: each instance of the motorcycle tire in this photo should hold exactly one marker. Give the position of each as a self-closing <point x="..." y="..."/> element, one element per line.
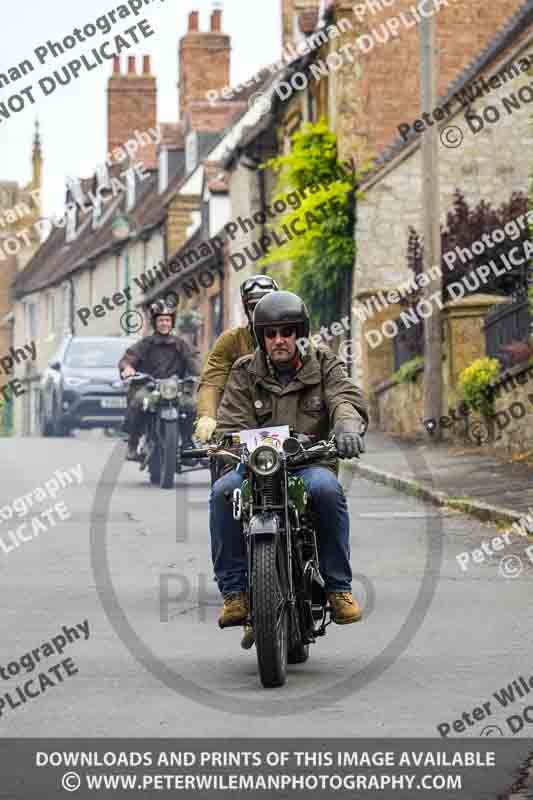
<point x="154" y="467"/>
<point x="168" y="454"/>
<point x="271" y="638"/>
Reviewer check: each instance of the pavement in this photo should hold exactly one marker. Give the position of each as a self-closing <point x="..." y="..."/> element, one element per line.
<point x="467" y="479"/>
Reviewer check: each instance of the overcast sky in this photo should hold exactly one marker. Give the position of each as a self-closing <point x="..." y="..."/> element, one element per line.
<point x="73" y="119"/>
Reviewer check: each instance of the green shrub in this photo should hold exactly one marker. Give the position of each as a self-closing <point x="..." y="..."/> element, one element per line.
<point x="408" y="371"/>
<point x="475" y="382"/>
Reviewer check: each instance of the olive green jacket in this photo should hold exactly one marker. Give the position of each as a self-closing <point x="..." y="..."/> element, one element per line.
<point x="229" y="347"/>
<point x="319" y="396"/>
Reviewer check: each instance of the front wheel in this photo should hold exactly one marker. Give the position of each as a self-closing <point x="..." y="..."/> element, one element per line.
<point x="168" y="448"/>
<point x="269" y="612"/>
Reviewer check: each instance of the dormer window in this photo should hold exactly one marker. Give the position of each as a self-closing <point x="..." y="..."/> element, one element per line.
<point x="102" y="177"/>
<point x="191" y="151"/>
<point x="76" y="192"/>
<point x="130" y="182"/>
<point x="72" y="218"/>
<point x="163" y="170"/>
<point x="97" y="209"/>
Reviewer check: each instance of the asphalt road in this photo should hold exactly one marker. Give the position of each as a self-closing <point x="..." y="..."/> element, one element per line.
<point x="436" y="641"/>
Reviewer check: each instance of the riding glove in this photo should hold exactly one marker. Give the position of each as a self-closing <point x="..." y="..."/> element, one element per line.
<point x="349" y="442"/>
<point x="205" y="427"/>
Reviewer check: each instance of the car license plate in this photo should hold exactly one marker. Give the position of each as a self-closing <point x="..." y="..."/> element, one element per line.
<point x="113" y="402"/>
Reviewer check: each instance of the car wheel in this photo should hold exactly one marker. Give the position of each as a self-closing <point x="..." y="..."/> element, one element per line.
<point x="58" y="426"/>
<point x="46" y="427"/>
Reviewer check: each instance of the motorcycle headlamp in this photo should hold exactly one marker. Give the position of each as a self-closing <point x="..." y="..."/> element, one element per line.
<point x="169" y="389"/>
<point x="265" y="460"/>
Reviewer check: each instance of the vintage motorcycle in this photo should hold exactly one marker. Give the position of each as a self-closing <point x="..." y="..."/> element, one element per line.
<point x="288" y="604"/>
<point x="160" y="447"/>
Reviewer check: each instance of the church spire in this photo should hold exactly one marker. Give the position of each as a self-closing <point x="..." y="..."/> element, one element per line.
<point x="37" y="159"/>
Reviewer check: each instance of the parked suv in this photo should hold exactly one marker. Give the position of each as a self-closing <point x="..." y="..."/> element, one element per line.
<point x="81" y="388"/>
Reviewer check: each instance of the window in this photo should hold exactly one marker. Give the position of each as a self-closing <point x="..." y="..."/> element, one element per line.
<point x="31" y="320"/>
<point x="51" y="312"/>
<point x="74" y="187"/>
<point x="89" y="354"/>
<point x="217" y="317"/>
<point x="191" y="151"/>
<point x="163" y="170"/>
<point x="130" y="180"/>
<point x="72" y="218"/>
<point x="97" y="209"/>
<point x="66" y="309"/>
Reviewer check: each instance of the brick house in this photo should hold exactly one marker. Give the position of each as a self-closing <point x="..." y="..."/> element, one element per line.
<point x="83" y="262"/>
<point x="490" y="165"/>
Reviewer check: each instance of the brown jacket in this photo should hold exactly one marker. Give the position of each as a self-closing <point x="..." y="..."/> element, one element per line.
<point x="229" y="347"/>
<point x="320" y="395"/>
<point x="161" y="357"/>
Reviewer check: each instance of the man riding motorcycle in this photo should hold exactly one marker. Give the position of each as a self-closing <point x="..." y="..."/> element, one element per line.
<point x="313" y="395"/>
<point x="230" y="346"/>
<point x="160" y="355"/>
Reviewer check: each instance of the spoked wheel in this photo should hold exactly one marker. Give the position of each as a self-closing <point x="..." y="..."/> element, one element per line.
<point x="270" y="613"/>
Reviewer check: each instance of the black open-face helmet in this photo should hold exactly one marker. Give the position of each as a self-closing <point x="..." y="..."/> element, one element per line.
<point x="253" y="290"/>
<point x="277" y="309"/>
<point x="162" y="308"/>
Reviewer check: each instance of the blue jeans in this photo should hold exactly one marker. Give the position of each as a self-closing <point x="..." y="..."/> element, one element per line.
<point x="333" y="535"/>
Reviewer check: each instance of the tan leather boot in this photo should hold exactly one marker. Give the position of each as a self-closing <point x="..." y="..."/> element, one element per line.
<point x="235" y="610"/>
<point x="345" y="608"/>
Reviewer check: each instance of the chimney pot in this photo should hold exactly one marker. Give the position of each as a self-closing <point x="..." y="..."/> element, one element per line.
<point x="116" y="65"/>
<point x="216" y="21"/>
<point x="146" y="65"/>
<point x="131" y="65"/>
<point x="194" y="20"/>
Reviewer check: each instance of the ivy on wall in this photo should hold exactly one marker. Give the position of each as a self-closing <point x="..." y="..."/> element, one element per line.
<point x="323" y="254"/>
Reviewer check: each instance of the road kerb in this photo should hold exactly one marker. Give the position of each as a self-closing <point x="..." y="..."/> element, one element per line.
<point x="499" y="515"/>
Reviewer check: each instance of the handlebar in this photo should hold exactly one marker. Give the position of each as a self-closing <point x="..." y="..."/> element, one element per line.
<point x="144" y="376"/>
<point x="307" y="453"/>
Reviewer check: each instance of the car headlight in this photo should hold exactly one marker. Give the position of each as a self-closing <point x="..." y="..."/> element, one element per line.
<point x="169" y="389"/>
<point x="76" y="381"/>
<point x="265" y="460"/>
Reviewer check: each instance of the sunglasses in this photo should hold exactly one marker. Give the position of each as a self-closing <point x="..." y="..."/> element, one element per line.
<point x="285" y="332"/>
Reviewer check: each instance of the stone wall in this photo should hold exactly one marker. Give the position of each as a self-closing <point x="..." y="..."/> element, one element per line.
<point x="489" y="165"/>
<point x="399" y="408"/>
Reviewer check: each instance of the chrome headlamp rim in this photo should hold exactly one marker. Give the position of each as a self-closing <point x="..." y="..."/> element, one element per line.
<point x="255" y="455"/>
<point x="168" y="388"/>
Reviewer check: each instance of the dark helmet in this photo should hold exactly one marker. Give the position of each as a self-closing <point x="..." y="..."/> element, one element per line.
<point x="280" y="308"/>
<point x="254" y="289"/>
<point x="161" y="308"/>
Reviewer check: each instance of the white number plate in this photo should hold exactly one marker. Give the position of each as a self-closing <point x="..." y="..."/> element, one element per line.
<point x="113" y="402"/>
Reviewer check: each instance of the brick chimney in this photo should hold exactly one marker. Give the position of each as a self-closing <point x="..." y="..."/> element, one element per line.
<point x="204" y="61"/>
<point x="131" y="106"/>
